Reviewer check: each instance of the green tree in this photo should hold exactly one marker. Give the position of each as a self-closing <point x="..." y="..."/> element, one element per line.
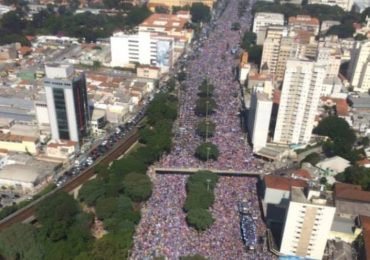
<point x="205" y="106"/>
<point x="341" y="134"/>
<point x="206" y="89"/>
<point x="206" y="128"/>
<point x="207" y="151"/>
<point x="106" y="207"/>
<point x="113" y="246"/>
<point x="91" y="191"/>
<point x="138" y="187"/>
<point x="56" y="215"/>
<point x="20" y="241"/>
<point x="200" y="13"/>
<point x="344" y="30"/>
<point x="200" y="219"/>
<point x="312" y="158"/>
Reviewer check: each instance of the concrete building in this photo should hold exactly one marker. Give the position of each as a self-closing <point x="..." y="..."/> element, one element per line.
<point x="270" y="53"/>
<point x="330" y="167"/>
<point x="244" y="68"/>
<point x="259" y="119"/>
<point x="346" y="5"/>
<point x="19" y="143"/>
<point x="42" y="114"/>
<point x="359" y="67"/>
<point x="261" y="83"/>
<point x="331" y="59"/>
<point x="299" y="101"/>
<point x="142" y="48"/>
<point x="270" y="30"/>
<point x="289" y="48"/>
<point x="168" y="24"/>
<point x="64" y="150"/>
<point x="66" y="98"/>
<point x="8" y="52"/>
<point x="304" y="23"/>
<point x="150" y="72"/>
<point x="326" y="25"/>
<point x="170" y="3"/>
<point x="266" y="19"/>
<point x="307" y="224"/>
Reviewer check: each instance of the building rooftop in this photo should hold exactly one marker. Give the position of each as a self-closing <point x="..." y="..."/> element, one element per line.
<point x="283" y="183"/>
<point x="20" y="173"/>
<point x="266" y="15"/>
<point x="16" y="138"/>
<point x="303" y="19"/>
<point x="344" y="191"/>
<point x="165" y="21"/>
<point x="335" y="163"/>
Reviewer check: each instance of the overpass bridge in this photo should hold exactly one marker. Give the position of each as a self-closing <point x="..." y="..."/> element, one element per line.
<point x="168" y="170"/>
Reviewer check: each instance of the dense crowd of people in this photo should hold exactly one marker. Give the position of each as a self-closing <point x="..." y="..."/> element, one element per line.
<point x="163" y="230"/>
<point x="214" y="62"/>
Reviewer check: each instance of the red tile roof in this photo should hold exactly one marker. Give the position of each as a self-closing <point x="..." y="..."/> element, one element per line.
<point x="365" y="222"/>
<point x="283" y="183"/>
<point x="351" y="192"/>
<point x="302" y="173"/>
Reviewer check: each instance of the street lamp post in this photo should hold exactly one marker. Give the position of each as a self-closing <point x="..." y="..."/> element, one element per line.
<point x="208" y="182"/>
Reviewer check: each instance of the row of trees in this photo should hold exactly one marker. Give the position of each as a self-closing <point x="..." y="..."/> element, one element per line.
<point x="14" y="25"/>
<point x="206" y="106"/>
<point x="64" y="229"/>
<point x="200" y="198"/>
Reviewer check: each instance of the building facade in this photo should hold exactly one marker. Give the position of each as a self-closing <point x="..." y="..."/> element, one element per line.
<point x="299" y="101"/>
<point x="358" y="71"/>
<point x="259" y="119"/>
<point x="66" y="98"/>
<point x="346" y="5"/>
<point x="307" y="224"/>
<point x="141" y="48"/>
<point x="267" y="19"/>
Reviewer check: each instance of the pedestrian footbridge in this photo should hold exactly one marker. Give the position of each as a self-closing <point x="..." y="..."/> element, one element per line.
<point x="164" y="170"/>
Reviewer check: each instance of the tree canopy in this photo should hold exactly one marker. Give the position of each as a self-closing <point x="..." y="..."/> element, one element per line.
<point x="206" y="128"/>
<point x="137" y="186"/>
<point x="207" y="151"/>
<point x="200" y="219"/>
<point x="20" y="241"/>
<point x="200" y="13"/>
<point x="205" y="106"/>
<point x="342" y="137"/>
<point x="356" y="175"/>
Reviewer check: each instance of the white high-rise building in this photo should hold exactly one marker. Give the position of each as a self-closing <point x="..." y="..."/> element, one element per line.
<point x="346" y="5"/>
<point x="358" y="71"/>
<point x="141" y="48"/>
<point x="303" y="80"/>
<point x="266" y="19"/>
<point x="307" y="224"/>
<point x="259" y="119"/>
<point x="67" y="104"/>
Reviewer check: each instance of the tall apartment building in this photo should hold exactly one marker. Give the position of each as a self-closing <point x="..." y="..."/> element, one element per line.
<point x="259" y="119"/>
<point x="331" y="59"/>
<point x="299" y="101"/>
<point x="346" y="5"/>
<point x="289" y="48"/>
<point x="270" y="52"/>
<point x="307" y="224"/>
<point x="66" y="99"/>
<point x="143" y="48"/>
<point x="358" y="69"/>
<point x="267" y="19"/>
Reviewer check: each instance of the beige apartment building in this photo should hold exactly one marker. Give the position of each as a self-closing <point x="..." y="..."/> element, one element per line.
<point x="300" y="96"/>
<point x="307" y="224"/>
